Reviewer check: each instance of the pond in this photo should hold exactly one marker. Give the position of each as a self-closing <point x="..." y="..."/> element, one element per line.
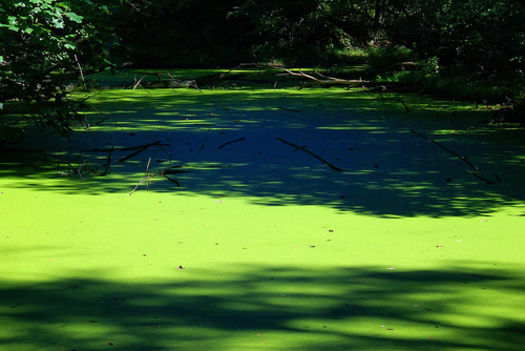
<point x="212" y="219"/>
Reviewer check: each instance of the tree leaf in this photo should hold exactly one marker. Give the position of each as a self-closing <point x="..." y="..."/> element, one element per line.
<point x="74" y="17"/>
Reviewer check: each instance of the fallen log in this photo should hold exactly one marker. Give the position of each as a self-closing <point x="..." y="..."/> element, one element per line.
<point x="319" y="77"/>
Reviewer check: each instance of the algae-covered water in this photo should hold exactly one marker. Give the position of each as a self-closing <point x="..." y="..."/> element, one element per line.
<point x="237" y="240"/>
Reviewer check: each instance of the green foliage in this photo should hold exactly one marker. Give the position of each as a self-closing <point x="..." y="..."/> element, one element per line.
<point x="387" y="58"/>
<point x="183" y="33"/>
<point x="309" y="31"/>
<point x="44" y="44"/>
<point x="487" y="37"/>
<point x="478" y="43"/>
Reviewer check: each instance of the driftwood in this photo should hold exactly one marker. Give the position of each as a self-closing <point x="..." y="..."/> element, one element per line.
<point x="312" y="154"/>
<point x="173" y="82"/>
<point x="176" y="83"/>
<point x="319" y="77"/>
<point x="137" y="83"/>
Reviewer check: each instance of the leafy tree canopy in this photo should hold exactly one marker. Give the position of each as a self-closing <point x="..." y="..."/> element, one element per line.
<point x="44" y="48"/>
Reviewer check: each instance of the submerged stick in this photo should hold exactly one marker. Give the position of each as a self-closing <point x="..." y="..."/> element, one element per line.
<point x="124" y="148"/>
<point x="397" y="100"/>
<point x="462" y="158"/>
<point x="288" y="109"/>
<point x="109" y="162"/>
<point x="229" y="142"/>
<point x="312" y="154"/>
<point x="141" y="149"/>
<point x="480" y="177"/>
<point x="102" y="120"/>
<point x="172" y="180"/>
<point x="174" y="171"/>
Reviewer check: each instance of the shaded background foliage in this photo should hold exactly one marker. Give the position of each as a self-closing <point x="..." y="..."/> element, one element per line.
<point x="182" y="33"/>
<point x="485" y="37"/>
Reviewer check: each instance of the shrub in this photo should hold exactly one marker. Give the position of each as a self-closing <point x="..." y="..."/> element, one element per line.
<point x="44" y="43"/>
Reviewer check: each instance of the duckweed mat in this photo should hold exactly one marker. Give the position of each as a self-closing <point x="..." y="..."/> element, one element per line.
<point x="176" y="220"/>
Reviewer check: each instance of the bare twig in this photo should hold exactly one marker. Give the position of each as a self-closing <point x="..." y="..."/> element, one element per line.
<point x="146" y="174"/>
<point x="397" y="100"/>
<point x="480" y="177"/>
<point x="138" y="83"/>
<point x="288" y="109"/>
<point x="147" y="166"/>
<point x="462" y="158"/>
<point x="147" y="178"/>
<point x="229" y="142"/>
<point x="81" y="72"/>
<point x="172" y="180"/>
<point x="312" y="154"/>
<point x="125" y="148"/>
<point x="102" y="120"/>
<point x="174" y="171"/>
<point x="164" y="173"/>
<point x="188" y="83"/>
<point x="140" y="149"/>
<point x="109" y="162"/>
<point x="79" y="172"/>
